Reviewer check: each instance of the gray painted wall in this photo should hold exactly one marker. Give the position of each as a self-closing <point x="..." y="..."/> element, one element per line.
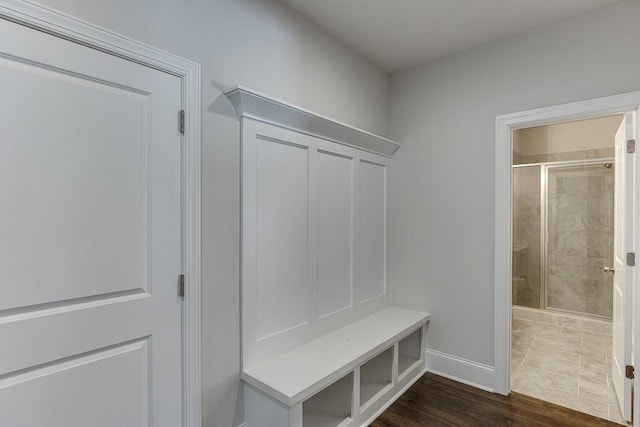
<point x="264" y="46"/>
<point x="443" y="113"/>
<point x="443" y="176"/>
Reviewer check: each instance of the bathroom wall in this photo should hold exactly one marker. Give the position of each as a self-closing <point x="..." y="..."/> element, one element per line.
<point x="580" y="233"/>
<point x="578" y="140"/>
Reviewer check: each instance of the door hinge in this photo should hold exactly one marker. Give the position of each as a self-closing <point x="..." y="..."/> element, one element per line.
<point x="181" y="285"/>
<point x="631" y="146"/>
<point x="181" y="121"/>
<point x="629" y="372"/>
<point x="631" y="259"/>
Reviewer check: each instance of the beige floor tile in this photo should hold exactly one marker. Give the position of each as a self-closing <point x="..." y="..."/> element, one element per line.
<point x="595" y="365"/>
<point x="566" y="345"/>
<point x="555" y="355"/>
<point x="556" y="334"/>
<point x="572" y="331"/>
<point x="524" y="337"/>
<point x="597" y="392"/>
<point x="595" y="353"/>
<point x="537" y="328"/>
<point x="516" y="364"/>
<point x="559" y="397"/>
<point x="532" y="379"/>
<point x="586" y="324"/>
<point x="551" y="365"/>
<point x="541" y="328"/>
<point x="615" y="415"/>
<point x="592" y="407"/>
<point x="562" y="339"/>
<point x="516" y="324"/>
<point x="515" y="373"/>
<point x="565" y="361"/>
<point x="564" y="398"/>
<point x="599" y="378"/>
<point x="597" y="340"/>
<point x="516" y="358"/>
<point x="598" y="334"/>
<point x="521" y="347"/>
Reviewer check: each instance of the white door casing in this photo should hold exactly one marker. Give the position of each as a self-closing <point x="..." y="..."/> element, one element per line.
<point x="623" y="278"/>
<point x="91" y="228"/>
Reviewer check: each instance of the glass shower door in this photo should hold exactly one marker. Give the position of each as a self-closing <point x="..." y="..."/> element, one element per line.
<point x="526" y="289"/>
<point x="579" y="238"/>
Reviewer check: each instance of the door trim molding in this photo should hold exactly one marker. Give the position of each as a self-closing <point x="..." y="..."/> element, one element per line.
<point x="48" y="20"/>
<point x="505" y="124"/>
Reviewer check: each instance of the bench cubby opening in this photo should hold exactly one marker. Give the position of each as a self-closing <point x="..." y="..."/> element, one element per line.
<point x="409" y="352"/>
<point x="376" y="377"/>
<point x="330" y="407"/>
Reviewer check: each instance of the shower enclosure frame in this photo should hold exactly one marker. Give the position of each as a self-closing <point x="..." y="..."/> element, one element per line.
<point x="544" y="226"/>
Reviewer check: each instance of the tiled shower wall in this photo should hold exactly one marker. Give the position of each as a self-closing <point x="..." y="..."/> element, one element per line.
<point x="580" y="206"/>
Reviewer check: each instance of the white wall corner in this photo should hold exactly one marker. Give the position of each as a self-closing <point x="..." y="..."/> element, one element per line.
<point x="461" y="370"/>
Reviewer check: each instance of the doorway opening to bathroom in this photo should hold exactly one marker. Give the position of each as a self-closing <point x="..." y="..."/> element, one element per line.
<point x="562" y="264"/>
<point x="561" y="170"/>
<point x="625" y="322"/>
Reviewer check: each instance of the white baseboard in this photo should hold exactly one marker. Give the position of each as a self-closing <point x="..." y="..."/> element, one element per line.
<point x="462" y="370"/>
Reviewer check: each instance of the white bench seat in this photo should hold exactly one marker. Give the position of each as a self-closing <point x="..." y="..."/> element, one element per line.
<point x="300" y="373"/>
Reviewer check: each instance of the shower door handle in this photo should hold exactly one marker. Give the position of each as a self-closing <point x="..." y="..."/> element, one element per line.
<point x="609" y="270"/>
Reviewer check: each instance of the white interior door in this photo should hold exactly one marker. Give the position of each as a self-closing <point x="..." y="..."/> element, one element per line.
<point x="90" y="317"/>
<point x="623" y="279"/>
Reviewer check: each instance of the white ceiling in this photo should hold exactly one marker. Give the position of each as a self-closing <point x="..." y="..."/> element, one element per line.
<point x="396" y="34"/>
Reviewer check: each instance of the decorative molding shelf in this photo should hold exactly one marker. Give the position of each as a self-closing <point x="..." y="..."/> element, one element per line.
<point x="254" y="105"/>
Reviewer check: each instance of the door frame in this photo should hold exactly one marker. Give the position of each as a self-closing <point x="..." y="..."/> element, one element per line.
<point x="505" y="125"/>
<point x="62" y="25"/>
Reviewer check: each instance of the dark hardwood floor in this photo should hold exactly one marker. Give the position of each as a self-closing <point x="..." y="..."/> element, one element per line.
<point x="437" y="401"/>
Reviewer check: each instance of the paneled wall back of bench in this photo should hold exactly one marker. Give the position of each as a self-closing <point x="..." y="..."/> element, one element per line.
<point x="315" y="237"/>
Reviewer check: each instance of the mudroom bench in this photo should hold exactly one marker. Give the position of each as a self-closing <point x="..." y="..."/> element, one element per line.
<point x="344" y="378"/>
<point x="322" y="344"/>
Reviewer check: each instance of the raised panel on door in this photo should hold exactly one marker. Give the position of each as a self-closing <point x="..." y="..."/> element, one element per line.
<point x="373" y="229"/>
<point x="79" y="203"/>
<point x="61" y="390"/>
<point x="335" y="232"/>
<point x="281" y="235"/>
<point x="90" y="236"/>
